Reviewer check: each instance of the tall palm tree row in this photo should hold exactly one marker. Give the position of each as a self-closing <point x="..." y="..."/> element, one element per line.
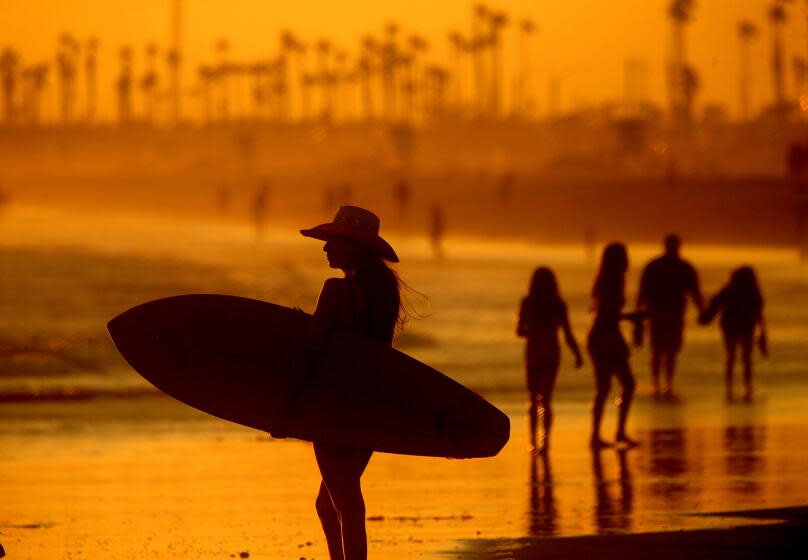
<point x="389" y="77"/>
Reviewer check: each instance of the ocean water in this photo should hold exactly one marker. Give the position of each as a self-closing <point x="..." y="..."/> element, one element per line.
<point x="64" y="276"/>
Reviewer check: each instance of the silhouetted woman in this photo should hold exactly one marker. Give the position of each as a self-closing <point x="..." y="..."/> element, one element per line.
<point x="541" y="315"/>
<point x="366" y="300"/>
<point x="741" y="305"/>
<point x="607" y="348"/>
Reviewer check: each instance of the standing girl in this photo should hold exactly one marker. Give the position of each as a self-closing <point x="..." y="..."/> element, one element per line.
<point x="741" y="305"/>
<point x="606" y="345"/>
<point x="368" y="300"/>
<point x="541" y="315"/>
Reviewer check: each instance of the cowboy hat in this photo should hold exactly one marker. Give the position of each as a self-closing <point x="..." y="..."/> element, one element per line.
<point x="355" y="224"/>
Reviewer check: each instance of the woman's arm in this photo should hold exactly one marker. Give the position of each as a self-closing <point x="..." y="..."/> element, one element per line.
<point x="521" y="323"/>
<point x="322" y="321"/>
<point x="325" y="314"/>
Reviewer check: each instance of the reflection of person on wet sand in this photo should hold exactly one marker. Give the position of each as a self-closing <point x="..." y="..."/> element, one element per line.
<point x="541" y="315"/>
<point x="606" y="345"/>
<point x="613" y="513"/>
<point x="367" y="300"/>
<point x="542" y="513"/>
<point x="740" y="303"/>
<point x="664" y="286"/>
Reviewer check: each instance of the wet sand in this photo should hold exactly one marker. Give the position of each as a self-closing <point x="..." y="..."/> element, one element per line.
<point x="155" y="479"/>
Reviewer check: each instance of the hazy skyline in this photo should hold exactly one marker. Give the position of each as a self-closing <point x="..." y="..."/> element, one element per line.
<point x="583" y="43"/>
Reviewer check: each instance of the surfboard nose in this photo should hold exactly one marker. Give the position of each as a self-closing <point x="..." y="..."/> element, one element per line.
<point x="483" y="434"/>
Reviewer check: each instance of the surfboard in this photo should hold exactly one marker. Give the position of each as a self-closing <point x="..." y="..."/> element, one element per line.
<point x="243" y="360"/>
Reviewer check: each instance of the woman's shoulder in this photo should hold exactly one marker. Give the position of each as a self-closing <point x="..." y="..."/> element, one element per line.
<point x="335" y="288"/>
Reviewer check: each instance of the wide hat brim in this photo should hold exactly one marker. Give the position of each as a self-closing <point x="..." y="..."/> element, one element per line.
<point x="326" y="232"/>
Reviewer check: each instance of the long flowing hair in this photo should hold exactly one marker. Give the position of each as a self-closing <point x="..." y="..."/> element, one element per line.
<point x="382" y="287"/>
<point x="544" y="301"/>
<point x="610" y="281"/>
<point x="743" y="289"/>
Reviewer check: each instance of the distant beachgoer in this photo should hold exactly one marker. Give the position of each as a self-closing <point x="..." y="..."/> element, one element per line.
<point x="260" y="206"/>
<point x="403" y="194"/>
<point x="367" y="300"/>
<point x="740" y="303"/>
<point x="607" y="348"/>
<point x="437" y="228"/>
<point x="541" y="314"/>
<point x="506" y="187"/>
<point x="664" y="286"/>
<point x="223" y="197"/>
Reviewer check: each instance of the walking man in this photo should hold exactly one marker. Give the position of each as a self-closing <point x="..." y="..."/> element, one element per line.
<point x="665" y="285"/>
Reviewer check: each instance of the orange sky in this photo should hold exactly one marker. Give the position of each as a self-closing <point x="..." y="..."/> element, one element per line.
<point x="583" y="42"/>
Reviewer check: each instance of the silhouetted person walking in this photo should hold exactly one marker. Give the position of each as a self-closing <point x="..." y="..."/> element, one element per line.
<point x="606" y="345"/>
<point x="260" y="206"/>
<point x="403" y="196"/>
<point x="437" y="228"/>
<point x="665" y="285"/>
<point x="740" y="303"/>
<point x="541" y="315"/>
<point x="367" y="300"/>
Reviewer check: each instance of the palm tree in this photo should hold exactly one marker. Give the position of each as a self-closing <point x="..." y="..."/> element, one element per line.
<point x="339" y="81"/>
<point x="223" y="70"/>
<point x="479" y="43"/>
<point x="777" y="19"/>
<point x="124" y="85"/>
<point x="90" y="74"/>
<point x="148" y="83"/>
<point x="207" y="78"/>
<point x="34" y="81"/>
<point x="66" y="63"/>
<point x="390" y="60"/>
<point x="523" y="86"/>
<point x="364" y="71"/>
<point x="9" y="68"/>
<point x="497" y="21"/>
<point x="680" y="12"/>
<point x="459" y="47"/>
<point x="369" y="63"/>
<point x="324" y="78"/>
<point x="747" y="31"/>
<point x="417" y="46"/>
<point x="174" y="60"/>
<point x="437" y="79"/>
<point x="290" y="47"/>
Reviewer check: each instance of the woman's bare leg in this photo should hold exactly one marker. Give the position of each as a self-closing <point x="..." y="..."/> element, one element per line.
<point x="548" y="422"/>
<point x="603" y="383"/>
<point x="342" y="468"/>
<point x="628" y="383"/>
<point x="729" y="346"/>
<point x="533" y="415"/>
<point x="746" y="356"/>
<point x="329" y="519"/>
